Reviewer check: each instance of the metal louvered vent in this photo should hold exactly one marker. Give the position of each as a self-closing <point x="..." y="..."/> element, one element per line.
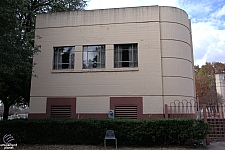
<point x="60" y="111"/>
<point x="126" y="112"/>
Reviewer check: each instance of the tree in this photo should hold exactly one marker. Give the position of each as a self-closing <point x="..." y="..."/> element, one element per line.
<point x="219" y="67"/>
<point x="205" y="82"/>
<point x="9" y="97"/>
<point x="202" y="82"/>
<point x="196" y="69"/>
<point x="17" y="21"/>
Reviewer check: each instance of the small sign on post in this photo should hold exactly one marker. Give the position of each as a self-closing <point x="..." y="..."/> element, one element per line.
<point x="111" y="114"/>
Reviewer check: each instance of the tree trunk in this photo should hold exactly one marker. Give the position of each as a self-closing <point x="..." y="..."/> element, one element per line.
<point x="6" y="112"/>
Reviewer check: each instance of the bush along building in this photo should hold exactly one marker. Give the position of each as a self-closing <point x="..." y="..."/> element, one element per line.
<point x="131" y="61"/>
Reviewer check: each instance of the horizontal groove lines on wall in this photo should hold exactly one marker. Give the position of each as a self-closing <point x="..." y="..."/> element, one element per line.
<point x="175" y="31"/>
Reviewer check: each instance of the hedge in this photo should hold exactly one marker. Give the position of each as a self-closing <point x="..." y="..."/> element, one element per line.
<point x="92" y="131"/>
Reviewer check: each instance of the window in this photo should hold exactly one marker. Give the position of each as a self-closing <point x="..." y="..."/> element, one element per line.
<point x="125" y="55"/>
<point x="94" y="56"/>
<point x="64" y="57"/>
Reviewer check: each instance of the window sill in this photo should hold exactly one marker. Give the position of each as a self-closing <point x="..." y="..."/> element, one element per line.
<point x="95" y="70"/>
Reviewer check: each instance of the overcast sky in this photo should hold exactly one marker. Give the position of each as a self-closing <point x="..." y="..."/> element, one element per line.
<point x="208" y="23"/>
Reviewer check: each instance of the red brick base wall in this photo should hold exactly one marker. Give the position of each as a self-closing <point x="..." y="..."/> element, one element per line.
<point x="113" y="102"/>
<point x="61" y="101"/>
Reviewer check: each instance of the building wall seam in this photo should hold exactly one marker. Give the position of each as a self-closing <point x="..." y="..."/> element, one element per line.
<point x="178" y="58"/>
<point x="107" y="96"/>
<point x="91" y="71"/>
<point x="112" y="24"/>
<point x="177" y="40"/>
<point x="175" y="23"/>
<point x="161" y="53"/>
<point x="179" y="77"/>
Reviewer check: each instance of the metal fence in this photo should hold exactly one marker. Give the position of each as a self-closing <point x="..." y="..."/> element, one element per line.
<point x="213" y="113"/>
<point x="181" y="109"/>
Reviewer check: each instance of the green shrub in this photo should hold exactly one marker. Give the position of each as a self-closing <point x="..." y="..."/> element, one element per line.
<point x="92" y="131"/>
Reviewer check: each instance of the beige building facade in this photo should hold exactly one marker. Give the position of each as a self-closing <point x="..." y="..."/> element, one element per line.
<point x="130" y="60"/>
<point x="220" y="85"/>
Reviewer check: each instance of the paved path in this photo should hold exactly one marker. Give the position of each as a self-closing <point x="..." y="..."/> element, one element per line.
<point x="216" y="146"/>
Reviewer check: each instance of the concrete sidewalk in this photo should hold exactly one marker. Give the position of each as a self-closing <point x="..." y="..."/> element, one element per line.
<point x="216" y="146"/>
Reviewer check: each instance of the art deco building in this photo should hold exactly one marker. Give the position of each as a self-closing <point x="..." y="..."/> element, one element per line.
<point x="130" y="60"/>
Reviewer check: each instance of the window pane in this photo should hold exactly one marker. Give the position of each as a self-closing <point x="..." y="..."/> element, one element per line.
<point x="102" y="60"/>
<point x="125" y="55"/>
<point x="65" y="66"/>
<point x="59" y="55"/>
<point x="63" y="57"/>
<point x="93" y="56"/>
<point x="85" y="58"/>
<point x="94" y="65"/>
<point x="116" y="56"/>
<point x="72" y="61"/>
<point x="55" y="60"/>
<point x="59" y="66"/>
<point x="120" y="64"/>
<point x="135" y="64"/>
<point x="85" y="48"/>
<point x="85" y="65"/>
<point x="135" y="55"/>
<point x="131" y="64"/>
<point x="54" y="66"/>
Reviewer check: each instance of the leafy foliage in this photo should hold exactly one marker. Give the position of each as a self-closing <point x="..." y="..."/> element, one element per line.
<point x="205" y="81"/>
<point x="92" y="131"/>
<point x="17" y="21"/>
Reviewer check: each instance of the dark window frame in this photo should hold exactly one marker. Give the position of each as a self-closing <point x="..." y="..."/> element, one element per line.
<point x="98" y="61"/>
<point x="63" y="57"/>
<point x="125" y="55"/>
